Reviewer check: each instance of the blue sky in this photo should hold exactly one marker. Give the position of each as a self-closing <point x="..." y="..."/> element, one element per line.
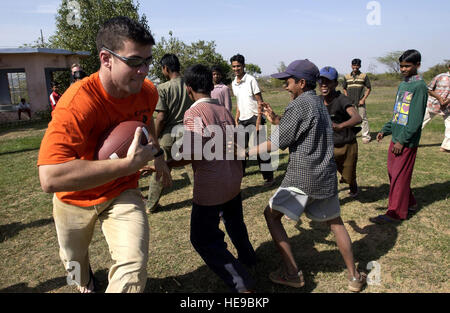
<point x="327" y="32"/>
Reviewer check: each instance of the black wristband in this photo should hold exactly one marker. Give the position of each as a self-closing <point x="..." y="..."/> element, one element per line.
<point x="160" y="152"/>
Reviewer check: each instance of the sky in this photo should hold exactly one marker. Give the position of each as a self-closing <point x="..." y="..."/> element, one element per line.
<point x="327" y="32"/>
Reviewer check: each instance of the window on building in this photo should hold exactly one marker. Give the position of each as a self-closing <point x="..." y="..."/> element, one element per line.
<point x="17" y="86"/>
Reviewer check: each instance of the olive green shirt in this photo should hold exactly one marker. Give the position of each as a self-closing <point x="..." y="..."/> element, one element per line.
<point x="173" y="101"/>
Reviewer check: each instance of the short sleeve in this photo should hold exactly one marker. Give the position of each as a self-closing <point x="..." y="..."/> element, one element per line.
<point x="344" y="83"/>
<point x="254" y="86"/>
<point x="432" y="84"/>
<point x="367" y="82"/>
<point x="162" y="101"/>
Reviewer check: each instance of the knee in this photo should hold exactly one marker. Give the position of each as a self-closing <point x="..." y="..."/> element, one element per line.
<point x="270" y="215"/>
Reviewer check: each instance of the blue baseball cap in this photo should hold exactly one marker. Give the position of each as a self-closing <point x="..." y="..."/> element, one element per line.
<point x="301" y="69"/>
<point x="329" y="72"/>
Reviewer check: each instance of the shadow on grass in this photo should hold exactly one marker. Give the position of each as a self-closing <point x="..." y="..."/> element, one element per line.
<point x="430" y="145"/>
<point x="101" y="280"/>
<point x="177" y="184"/>
<point x="378" y="241"/>
<point x="19" y="151"/>
<point x="47" y="286"/>
<point x="425" y="195"/>
<point x="10" y="230"/>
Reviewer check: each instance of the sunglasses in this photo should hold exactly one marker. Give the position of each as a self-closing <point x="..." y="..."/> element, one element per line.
<point x="132" y="62"/>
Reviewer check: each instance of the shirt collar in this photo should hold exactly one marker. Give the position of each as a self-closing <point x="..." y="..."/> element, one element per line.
<point x="208" y="100"/>
<point x="242" y="80"/>
<point x="413" y="78"/>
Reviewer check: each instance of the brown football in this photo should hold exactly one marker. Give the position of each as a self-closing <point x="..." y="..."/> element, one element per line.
<point x="115" y="142"/>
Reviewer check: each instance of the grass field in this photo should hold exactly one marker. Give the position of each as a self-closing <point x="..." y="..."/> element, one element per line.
<point x="413" y="257"/>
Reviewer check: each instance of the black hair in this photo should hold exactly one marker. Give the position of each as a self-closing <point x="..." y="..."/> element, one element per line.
<point x="239" y="58"/>
<point x="309" y="83"/>
<point x="22" y="99"/>
<point x="116" y="30"/>
<point x="171" y="61"/>
<point x="79" y="75"/>
<point x="216" y="68"/>
<point x="356" y="62"/>
<point x="199" y="78"/>
<point x="410" y="56"/>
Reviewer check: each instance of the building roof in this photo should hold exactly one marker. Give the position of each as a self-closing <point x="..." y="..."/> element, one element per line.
<point x="28" y="50"/>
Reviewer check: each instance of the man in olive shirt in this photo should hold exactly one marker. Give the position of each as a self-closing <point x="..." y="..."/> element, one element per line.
<point x="173" y="103"/>
<point x="353" y="86"/>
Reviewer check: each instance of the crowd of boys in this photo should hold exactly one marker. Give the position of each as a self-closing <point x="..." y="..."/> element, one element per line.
<point x="319" y="132"/>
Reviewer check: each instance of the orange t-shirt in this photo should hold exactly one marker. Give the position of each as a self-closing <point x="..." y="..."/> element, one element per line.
<point x="84" y="112"/>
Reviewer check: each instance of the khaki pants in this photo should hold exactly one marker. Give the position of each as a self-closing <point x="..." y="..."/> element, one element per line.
<point x="429" y="116"/>
<point x="124" y="224"/>
<point x="346" y="158"/>
<point x="365" y="133"/>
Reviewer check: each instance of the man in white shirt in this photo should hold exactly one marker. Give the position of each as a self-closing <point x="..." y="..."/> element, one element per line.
<point x="24" y="107"/>
<point x="248" y="97"/>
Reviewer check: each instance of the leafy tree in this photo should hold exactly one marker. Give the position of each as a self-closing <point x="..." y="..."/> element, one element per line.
<point x="390" y="59"/>
<point x="252" y="69"/>
<point x="435" y="70"/>
<point x="201" y="51"/>
<point x="77" y="31"/>
<point x="277" y="83"/>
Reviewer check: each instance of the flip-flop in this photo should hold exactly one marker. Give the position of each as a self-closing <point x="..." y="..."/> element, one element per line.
<point x="384" y="219"/>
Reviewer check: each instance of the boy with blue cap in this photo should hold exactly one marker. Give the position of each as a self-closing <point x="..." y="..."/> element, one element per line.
<point x="310" y="183"/>
<point x="343" y="119"/>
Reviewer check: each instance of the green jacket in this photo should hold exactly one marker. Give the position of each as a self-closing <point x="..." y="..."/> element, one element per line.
<point x="409" y="109"/>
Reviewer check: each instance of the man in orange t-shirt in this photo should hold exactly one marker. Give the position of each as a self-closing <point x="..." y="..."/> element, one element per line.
<point x="87" y="189"/>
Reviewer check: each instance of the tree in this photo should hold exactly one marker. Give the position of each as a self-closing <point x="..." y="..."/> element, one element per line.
<point x="252" y="69"/>
<point x="390" y="59"/>
<point x="201" y="51"/>
<point x="435" y="70"/>
<point x="77" y="24"/>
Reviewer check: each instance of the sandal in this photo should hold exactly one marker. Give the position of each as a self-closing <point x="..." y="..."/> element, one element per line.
<point x="91" y="285"/>
<point x="280" y="277"/>
<point x="355" y="284"/>
<point x="384" y="219"/>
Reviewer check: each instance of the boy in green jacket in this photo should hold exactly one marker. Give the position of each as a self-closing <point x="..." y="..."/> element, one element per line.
<point x="406" y="128"/>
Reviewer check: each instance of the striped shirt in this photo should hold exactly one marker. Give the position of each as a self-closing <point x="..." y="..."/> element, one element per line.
<point x="354" y="84"/>
<point x="216" y="180"/>
<point x="305" y="128"/>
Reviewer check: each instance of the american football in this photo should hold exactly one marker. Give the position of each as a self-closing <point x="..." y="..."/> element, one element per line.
<point x="115" y="142"/>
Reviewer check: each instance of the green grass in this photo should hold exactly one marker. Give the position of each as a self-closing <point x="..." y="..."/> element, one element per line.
<point x="414" y="256"/>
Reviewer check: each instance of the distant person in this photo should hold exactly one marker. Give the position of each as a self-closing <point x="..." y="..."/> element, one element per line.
<point x="79" y="75"/>
<point x="310" y="182"/>
<point x="172" y="104"/>
<point x="406" y="129"/>
<point x="343" y="117"/>
<point x="353" y="86"/>
<point x="87" y="190"/>
<point x="217" y="187"/>
<point x="76" y="67"/>
<point x="220" y="92"/>
<point x="24" y="107"/>
<point x="54" y="96"/>
<point x="249" y="98"/>
<point x="439" y="104"/>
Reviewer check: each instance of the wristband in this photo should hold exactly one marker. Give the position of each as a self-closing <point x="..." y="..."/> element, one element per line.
<point x="160" y="152"/>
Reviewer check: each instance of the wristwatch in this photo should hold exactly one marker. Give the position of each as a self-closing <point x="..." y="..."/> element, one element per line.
<point x="160" y="152"/>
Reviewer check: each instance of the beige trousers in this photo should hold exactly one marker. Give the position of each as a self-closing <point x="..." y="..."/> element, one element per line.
<point x="365" y="133"/>
<point x="429" y="116"/>
<point x="125" y="227"/>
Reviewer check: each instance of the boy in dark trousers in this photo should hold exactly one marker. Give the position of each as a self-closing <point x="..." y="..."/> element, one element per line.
<point x="406" y="128"/>
<point x="217" y="185"/>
